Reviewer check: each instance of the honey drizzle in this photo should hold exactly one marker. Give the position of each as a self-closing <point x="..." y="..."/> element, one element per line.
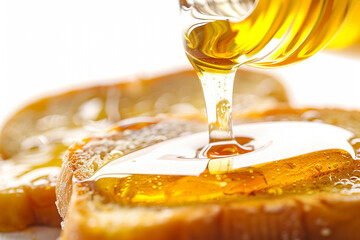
<point x="264" y="33"/>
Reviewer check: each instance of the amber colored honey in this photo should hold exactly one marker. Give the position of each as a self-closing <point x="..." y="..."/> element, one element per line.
<point x="36" y="166"/>
<point x="236" y="147"/>
<point x="304" y="174"/>
<point x="287" y="176"/>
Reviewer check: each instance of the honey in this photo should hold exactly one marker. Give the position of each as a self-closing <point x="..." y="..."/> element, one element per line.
<point x="32" y="167"/>
<point x="319" y="171"/>
<point x="277" y="179"/>
<point x="231" y="148"/>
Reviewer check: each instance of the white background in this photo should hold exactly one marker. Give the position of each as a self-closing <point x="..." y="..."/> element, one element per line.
<point x="48" y="46"/>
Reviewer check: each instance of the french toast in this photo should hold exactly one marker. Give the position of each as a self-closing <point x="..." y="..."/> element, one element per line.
<point x="312" y="196"/>
<point x="35" y="139"/>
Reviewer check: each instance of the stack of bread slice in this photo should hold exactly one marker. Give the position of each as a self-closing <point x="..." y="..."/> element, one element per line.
<point x="305" y="197"/>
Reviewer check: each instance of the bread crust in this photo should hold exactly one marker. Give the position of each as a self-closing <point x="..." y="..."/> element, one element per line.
<point x="324" y="216"/>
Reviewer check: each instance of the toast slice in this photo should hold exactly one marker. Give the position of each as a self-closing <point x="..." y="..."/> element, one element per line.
<point x="305" y="197"/>
<point x="35" y="139"/>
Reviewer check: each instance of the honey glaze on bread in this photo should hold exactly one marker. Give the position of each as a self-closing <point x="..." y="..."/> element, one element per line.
<point x="306" y="197"/>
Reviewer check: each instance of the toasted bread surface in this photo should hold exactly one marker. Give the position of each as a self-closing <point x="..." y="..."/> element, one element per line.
<point x="323" y="205"/>
<point x="34" y="140"/>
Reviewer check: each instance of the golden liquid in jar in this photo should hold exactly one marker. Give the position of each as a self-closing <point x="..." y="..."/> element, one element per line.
<point x="350" y="32"/>
<point x="276" y="33"/>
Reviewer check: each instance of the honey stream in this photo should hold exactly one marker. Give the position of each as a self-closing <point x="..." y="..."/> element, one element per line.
<point x="220" y="36"/>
